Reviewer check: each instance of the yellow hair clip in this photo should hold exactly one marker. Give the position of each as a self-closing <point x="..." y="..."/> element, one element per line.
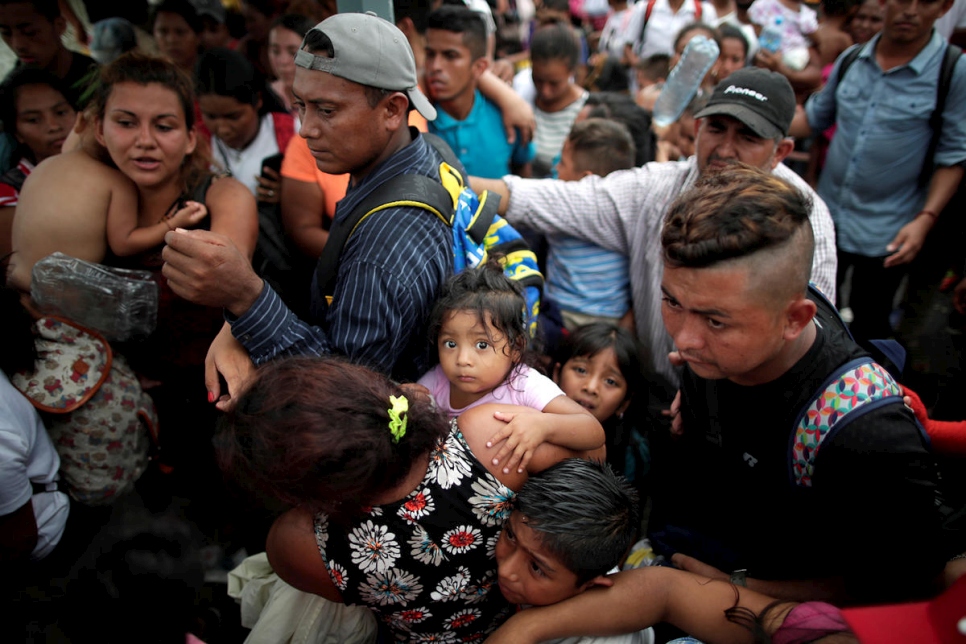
<point x="397" y="417"/>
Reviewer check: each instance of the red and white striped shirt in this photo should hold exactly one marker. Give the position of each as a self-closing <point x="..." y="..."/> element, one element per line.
<point x="10" y="195"/>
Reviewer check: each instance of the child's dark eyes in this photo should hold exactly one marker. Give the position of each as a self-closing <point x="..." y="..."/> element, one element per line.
<point x="482" y="345"/>
<point x="449" y="344"/>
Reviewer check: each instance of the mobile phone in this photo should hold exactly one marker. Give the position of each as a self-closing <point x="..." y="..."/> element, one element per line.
<point x="274" y="162"/>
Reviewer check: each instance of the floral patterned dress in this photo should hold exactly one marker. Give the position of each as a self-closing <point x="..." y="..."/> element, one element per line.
<point x="425" y="565"/>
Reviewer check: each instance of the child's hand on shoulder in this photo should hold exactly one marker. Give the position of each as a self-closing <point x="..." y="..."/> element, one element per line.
<point x="192" y="213"/>
<point x="522" y="434"/>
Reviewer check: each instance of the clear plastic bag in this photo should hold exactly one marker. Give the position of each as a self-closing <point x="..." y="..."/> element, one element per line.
<point x="119" y="304"/>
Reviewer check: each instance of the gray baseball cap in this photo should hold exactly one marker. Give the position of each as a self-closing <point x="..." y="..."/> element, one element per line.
<point x="372" y="51"/>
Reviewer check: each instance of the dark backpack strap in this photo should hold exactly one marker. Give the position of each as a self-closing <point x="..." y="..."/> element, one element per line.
<point x="886" y="352"/>
<point x="946" y="69"/>
<point x="819" y="296"/>
<point x="847" y="59"/>
<point x="483" y="217"/>
<point x="404" y="190"/>
<point x="442" y="147"/>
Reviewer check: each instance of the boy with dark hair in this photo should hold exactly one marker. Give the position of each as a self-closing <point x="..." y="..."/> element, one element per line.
<point x="596" y="146"/>
<point x="572" y="524"/>
<point x="468" y="121"/>
<point x="588" y="283"/>
<point x="32" y="29"/>
<point x="650" y="74"/>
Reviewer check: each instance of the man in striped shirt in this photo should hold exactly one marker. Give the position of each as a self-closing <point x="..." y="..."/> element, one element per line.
<point x="355" y="82"/>
<point x="746" y="120"/>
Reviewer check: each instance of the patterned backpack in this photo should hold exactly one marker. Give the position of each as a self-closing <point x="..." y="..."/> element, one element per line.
<point x="100" y="420"/>
<point x="854" y="389"/>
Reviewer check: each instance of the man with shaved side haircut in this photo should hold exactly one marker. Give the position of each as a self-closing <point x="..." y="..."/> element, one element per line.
<point x="757" y="345"/>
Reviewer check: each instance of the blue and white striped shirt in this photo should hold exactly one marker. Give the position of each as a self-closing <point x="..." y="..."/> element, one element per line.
<point x="390" y="273"/>
<point x="586" y="278"/>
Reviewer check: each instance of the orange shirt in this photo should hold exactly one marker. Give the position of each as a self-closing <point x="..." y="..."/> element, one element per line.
<point x="299" y="164"/>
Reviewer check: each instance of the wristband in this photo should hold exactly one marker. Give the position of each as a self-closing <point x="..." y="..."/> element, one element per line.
<point x="928" y="212"/>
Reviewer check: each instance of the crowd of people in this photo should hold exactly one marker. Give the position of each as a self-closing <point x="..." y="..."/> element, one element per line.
<point x="322" y="393"/>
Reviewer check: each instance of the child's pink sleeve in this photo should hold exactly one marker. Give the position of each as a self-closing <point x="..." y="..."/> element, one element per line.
<point x="539" y="390"/>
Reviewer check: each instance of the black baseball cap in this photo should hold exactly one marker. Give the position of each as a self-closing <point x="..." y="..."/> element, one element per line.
<point x="761" y="99"/>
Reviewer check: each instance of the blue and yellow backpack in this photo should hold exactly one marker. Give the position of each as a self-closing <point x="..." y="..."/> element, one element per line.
<point x="478" y="231"/>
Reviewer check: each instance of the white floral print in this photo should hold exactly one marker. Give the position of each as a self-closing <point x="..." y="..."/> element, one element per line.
<point x="491" y="545"/>
<point x="374" y="548"/>
<point x="461" y="539"/>
<point x="417" y="506"/>
<point x="462" y="619"/>
<point x="492" y="503"/>
<point x="405" y="619"/>
<point x="452" y="587"/>
<point x="434" y="638"/>
<point x="393" y="587"/>
<point x="338" y="575"/>
<point x="475" y="593"/>
<point x="321" y="531"/>
<point x="424" y="564"/>
<point x="424" y="549"/>
<point x="448" y="464"/>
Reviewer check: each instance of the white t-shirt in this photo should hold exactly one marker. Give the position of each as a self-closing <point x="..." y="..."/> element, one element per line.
<point x="954" y="19"/>
<point x="245" y="165"/>
<point x="27" y="456"/>
<point x="482" y="7"/>
<point x="663" y="25"/>
<point x="526" y="387"/>
<point x="614" y="34"/>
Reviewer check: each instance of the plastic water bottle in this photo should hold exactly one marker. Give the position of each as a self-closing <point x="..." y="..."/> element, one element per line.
<point x="770" y="38"/>
<point x="684" y="80"/>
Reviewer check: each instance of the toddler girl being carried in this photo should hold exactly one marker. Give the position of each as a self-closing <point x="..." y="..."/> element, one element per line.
<point x="479" y="328"/>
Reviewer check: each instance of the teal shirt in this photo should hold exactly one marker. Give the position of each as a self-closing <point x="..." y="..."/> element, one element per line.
<point x="479" y="140"/>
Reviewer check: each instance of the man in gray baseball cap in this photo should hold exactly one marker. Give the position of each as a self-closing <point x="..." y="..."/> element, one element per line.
<point x="384" y="61"/>
<point x="355" y="84"/>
